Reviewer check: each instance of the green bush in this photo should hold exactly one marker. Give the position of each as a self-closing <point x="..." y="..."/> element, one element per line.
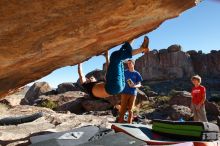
<point x="49" y="104"/>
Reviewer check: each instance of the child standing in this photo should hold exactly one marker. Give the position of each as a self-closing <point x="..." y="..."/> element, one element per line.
<point x="198" y="99"/>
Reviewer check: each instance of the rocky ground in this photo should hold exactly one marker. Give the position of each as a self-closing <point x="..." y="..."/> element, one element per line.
<point x="51" y="122"/>
<point x="69" y="107"/>
<point x="62" y="110"/>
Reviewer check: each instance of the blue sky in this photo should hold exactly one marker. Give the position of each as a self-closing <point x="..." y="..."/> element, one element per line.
<point x="195" y="29"/>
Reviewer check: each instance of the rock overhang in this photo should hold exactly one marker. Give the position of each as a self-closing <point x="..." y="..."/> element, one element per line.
<point x="37" y="37"/>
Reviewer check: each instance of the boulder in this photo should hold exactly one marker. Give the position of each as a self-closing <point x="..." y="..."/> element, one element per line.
<point x="74" y="106"/>
<point x="38" y="37"/>
<point x="184" y="98"/>
<point x="96" y="105"/>
<point x="157" y="114"/>
<point x="65" y="87"/>
<point x="174" y="48"/>
<point x="181" y="98"/>
<point x="98" y="74"/>
<point x="15" y="98"/>
<point x="177" y="112"/>
<point x="68" y="101"/>
<point x="36" y="90"/>
<point x="114" y="100"/>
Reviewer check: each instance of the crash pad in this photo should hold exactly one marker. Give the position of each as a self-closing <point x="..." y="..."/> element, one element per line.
<point x="70" y="138"/>
<point x="118" y="139"/>
<point x="187" y="130"/>
<point x="145" y="133"/>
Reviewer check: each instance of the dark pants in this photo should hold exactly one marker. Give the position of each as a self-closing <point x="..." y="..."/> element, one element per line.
<point x="115" y="80"/>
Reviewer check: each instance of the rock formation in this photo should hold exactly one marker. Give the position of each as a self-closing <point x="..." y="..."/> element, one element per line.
<point x="177" y="112"/>
<point x="67" y="97"/>
<point x="172" y="63"/>
<point x="207" y="65"/>
<point x="37" y="37"/>
<point x="167" y="64"/>
<point x="14" y="99"/>
<point x="35" y="91"/>
<point x="65" y="87"/>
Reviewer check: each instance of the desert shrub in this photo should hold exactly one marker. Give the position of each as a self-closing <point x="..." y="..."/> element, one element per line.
<point x="172" y="93"/>
<point x="143" y="107"/>
<point x="3" y="107"/>
<point x="146" y="88"/>
<point x="162" y="99"/>
<point x="49" y="104"/>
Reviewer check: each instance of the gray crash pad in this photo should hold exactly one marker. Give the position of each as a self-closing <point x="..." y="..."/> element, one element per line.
<point x="68" y="138"/>
<point x="117" y="139"/>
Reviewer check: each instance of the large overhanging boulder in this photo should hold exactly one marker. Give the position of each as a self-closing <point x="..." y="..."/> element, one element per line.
<point x="39" y="36"/>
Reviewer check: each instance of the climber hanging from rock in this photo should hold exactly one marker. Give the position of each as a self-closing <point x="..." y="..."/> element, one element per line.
<point x="89" y="83"/>
<point x="115" y="79"/>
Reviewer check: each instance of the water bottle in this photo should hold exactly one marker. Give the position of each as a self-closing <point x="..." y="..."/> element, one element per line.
<point x="181" y="120"/>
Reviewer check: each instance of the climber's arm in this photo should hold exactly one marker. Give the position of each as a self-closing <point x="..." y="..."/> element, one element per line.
<point x="82" y="77"/>
<point x="107" y="59"/>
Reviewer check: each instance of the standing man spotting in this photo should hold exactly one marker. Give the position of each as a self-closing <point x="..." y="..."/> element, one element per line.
<point x="198" y="100"/>
<point x="128" y="96"/>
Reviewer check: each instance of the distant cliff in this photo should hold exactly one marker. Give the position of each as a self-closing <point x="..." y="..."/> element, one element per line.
<point x="172" y="63"/>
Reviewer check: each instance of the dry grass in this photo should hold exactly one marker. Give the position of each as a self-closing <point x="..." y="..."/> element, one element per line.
<point x="143" y="107"/>
<point x="163" y="99"/>
<point x="49" y="104"/>
<point x="3" y="107"/>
